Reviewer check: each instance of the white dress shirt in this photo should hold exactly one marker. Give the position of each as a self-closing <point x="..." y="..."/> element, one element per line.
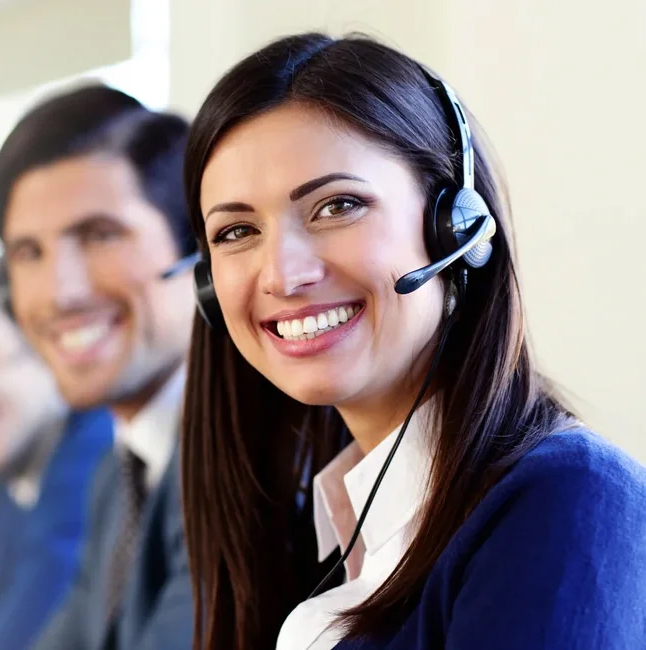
<point x="340" y="492"/>
<point x="152" y="433"/>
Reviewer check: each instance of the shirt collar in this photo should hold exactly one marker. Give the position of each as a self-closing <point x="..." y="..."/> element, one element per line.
<point x="152" y="433"/>
<point x="341" y="490"/>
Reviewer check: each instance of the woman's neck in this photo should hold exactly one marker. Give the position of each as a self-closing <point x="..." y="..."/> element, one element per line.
<point x="371" y="421"/>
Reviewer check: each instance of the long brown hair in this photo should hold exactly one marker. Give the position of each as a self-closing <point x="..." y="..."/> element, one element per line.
<point x="250" y="451"/>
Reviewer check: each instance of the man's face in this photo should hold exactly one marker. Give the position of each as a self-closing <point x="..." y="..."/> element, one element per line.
<point x="85" y="250"/>
<point x="29" y="400"/>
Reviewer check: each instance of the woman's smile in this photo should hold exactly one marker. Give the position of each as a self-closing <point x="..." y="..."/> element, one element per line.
<point x="314" y="329"/>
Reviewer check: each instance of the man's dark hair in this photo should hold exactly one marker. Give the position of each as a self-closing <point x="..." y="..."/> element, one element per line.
<point x="98" y="119"/>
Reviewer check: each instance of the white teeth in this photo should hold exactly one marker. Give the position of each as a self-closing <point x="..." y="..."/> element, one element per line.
<point x="309" y="325"/>
<point x="85" y="337"/>
<point x="312" y="326"/>
<point x="297" y="328"/>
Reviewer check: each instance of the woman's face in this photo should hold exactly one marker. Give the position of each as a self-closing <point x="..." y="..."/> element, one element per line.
<point x="310" y="224"/>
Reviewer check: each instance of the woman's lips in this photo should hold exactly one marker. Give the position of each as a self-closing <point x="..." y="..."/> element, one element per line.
<point x="315" y="333"/>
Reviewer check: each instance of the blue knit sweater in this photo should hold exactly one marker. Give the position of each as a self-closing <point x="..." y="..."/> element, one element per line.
<point x="40" y="548"/>
<point x="554" y="558"/>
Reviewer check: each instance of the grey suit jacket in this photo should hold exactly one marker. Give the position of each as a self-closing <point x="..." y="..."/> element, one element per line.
<point x="157" y="609"/>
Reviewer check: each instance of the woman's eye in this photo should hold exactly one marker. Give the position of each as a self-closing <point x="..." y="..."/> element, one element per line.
<point x="339" y="207"/>
<point x="236" y="233"/>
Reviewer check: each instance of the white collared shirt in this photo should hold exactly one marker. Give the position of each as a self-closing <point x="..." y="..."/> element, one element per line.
<point x="152" y="433"/>
<point x="340" y="492"/>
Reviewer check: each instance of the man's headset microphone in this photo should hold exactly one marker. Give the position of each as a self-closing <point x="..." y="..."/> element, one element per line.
<point x="461" y="229"/>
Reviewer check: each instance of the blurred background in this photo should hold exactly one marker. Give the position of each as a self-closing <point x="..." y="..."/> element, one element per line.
<point x="557" y="85"/>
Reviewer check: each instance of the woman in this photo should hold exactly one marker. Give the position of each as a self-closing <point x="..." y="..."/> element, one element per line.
<point x="314" y="170"/>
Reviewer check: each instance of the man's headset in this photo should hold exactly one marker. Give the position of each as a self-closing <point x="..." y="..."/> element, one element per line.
<point x="460" y="228"/>
<point x="5" y="303"/>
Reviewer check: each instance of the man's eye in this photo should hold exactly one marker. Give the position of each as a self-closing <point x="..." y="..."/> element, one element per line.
<point x="24" y="253"/>
<point x="101" y="235"/>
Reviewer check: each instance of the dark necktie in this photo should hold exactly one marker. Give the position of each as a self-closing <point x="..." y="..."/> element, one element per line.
<point x="132" y="493"/>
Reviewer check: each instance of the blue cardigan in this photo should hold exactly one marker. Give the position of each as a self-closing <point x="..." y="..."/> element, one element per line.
<point x="40" y="548"/>
<point x="554" y="558"/>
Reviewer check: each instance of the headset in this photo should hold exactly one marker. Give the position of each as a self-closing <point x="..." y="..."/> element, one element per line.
<point x="460" y="228"/>
<point x="461" y="225"/>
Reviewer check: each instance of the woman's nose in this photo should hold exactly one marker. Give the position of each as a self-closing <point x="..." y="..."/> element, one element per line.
<point x="290" y="264"/>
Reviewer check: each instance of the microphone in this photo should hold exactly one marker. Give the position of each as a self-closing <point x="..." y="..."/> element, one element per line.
<point x="415" y="279"/>
<point x="183" y="264"/>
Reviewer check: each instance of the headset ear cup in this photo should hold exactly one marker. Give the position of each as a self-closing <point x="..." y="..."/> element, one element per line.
<point x="455" y="214"/>
<point x="479" y="255"/>
<point x="468" y="209"/>
<point x="442" y="238"/>
<point x="205" y="298"/>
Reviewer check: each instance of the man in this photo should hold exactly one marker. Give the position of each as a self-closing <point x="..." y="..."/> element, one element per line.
<point x="91" y="220"/>
<point x="47" y="459"/>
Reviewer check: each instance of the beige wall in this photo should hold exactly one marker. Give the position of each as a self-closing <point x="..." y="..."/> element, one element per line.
<point x="559" y="87"/>
<point x="47" y="46"/>
<point x="208" y="36"/>
<point x="44" y="40"/>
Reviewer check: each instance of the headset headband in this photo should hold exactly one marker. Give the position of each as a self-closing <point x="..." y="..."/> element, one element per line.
<point x="457" y="122"/>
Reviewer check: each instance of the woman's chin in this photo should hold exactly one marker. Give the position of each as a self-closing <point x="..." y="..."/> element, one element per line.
<point x="316" y="394"/>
